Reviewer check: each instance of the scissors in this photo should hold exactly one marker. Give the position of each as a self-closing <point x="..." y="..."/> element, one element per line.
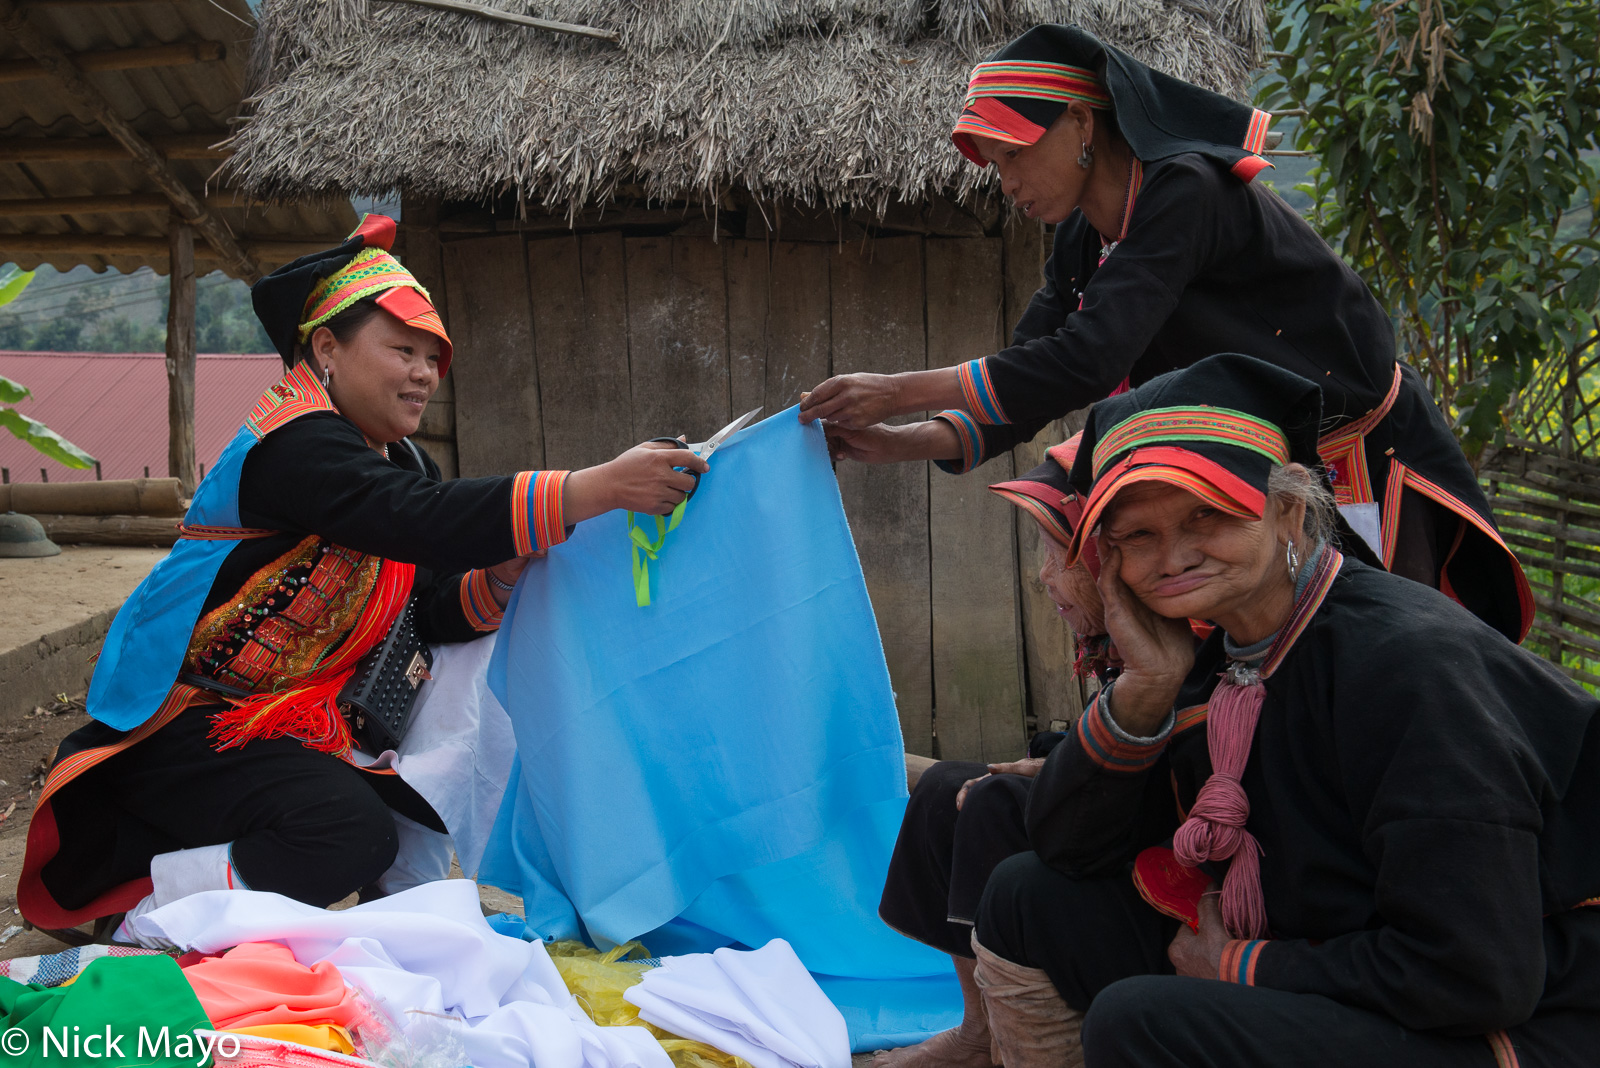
<point x="705" y="448"/>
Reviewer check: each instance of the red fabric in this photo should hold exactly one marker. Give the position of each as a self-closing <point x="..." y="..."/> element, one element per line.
<point x="413" y="309"/>
<point x="1247" y="168"/>
<point x="1170" y="886"/>
<point x="261" y="983"/>
<point x="377" y="231"/>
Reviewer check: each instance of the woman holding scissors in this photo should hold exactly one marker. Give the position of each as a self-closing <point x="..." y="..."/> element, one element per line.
<point x="1165" y="253"/>
<point x="219" y="756"/>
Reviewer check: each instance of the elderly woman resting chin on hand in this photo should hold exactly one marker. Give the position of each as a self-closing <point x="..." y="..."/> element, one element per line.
<point x="1393" y="797"/>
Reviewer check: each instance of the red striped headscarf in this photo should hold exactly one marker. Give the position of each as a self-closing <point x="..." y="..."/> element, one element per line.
<point x="996" y="86"/>
<point x="1215" y="429"/>
<point x="1016" y="94"/>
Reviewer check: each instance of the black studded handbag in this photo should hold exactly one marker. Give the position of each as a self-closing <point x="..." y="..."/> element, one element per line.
<point x="382" y="692"/>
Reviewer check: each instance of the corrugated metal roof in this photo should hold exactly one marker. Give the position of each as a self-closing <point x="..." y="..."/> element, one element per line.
<point x="114" y="406"/>
<point x="199" y="98"/>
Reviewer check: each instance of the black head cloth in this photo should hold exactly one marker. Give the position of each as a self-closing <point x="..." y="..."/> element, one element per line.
<point x="280" y="298"/>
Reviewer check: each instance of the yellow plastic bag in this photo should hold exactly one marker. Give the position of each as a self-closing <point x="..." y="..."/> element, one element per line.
<point x="598" y="979"/>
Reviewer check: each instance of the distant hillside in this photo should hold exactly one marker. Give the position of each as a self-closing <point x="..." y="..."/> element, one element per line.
<point x="81" y="311"/>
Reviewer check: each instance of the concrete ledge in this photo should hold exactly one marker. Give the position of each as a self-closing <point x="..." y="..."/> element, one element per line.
<point x="54" y="614"/>
<point x="57" y="663"/>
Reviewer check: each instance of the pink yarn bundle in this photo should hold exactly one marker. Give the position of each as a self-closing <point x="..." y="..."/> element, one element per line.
<point x="1215" y="827"/>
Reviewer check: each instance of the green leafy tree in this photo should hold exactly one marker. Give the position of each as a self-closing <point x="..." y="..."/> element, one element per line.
<point x="225" y="321"/>
<point x="1452" y="140"/>
<point x="35" y="433"/>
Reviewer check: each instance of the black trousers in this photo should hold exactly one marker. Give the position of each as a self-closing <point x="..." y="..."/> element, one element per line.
<point x="1106" y="952"/>
<point x="943" y="856"/>
<point x="303" y="824"/>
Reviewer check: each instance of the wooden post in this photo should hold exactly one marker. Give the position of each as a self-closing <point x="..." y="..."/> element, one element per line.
<point x="180" y="355"/>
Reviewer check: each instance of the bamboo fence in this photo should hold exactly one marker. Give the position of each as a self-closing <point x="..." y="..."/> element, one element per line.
<point x="1548" y="509"/>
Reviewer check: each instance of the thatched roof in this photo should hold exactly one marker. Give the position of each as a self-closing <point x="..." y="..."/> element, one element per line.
<point x="843" y="102"/>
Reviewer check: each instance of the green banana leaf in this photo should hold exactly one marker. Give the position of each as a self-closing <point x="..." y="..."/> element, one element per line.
<point x="44" y="439"/>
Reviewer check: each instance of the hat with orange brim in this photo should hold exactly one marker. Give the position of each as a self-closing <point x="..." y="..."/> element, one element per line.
<point x="1216" y="429"/>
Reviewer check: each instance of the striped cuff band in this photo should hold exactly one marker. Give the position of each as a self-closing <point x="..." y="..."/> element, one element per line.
<point x="978" y="390"/>
<point x="478" y="603"/>
<point x="1238" y="964"/>
<point x="538" y="519"/>
<point x="1111" y="747"/>
<point x="971" y="443"/>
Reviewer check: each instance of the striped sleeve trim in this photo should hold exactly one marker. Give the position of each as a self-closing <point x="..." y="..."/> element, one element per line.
<point x="478" y="603"/>
<point x="1188" y="718"/>
<point x="1098" y="739"/>
<point x="978" y="389"/>
<point x="971" y="442"/>
<point x="538" y="517"/>
<point x="1239" y="958"/>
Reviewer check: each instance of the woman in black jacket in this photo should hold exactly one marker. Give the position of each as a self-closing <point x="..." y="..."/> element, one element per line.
<point x="1165" y="252"/>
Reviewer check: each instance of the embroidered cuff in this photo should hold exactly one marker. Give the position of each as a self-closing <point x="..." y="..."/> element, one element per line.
<point x="971" y="443"/>
<point x="1238" y="964"/>
<point x="1113" y="748"/>
<point x="977" y="388"/>
<point x="538" y="520"/>
<point x="478" y="603"/>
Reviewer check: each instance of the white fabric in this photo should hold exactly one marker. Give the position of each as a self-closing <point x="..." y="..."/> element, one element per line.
<point x="124" y="932"/>
<point x="457" y="754"/>
<point x="759" y="1004"/>
<point x="423" y="857"/>
<point x="1365" y="521"/>
<point x="420" y="955"/>
<point x="190" y="871"/>
<point x="174" y="876"/>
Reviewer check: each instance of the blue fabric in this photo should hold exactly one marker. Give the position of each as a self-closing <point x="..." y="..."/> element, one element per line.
<point x="724" y="766"/>
<point x="144" y="649"/>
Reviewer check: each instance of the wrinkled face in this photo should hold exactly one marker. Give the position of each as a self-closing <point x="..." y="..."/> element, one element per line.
<point x="1043" y="179"/>
<point x="1073" y="590"/>
<point x="383" y="377"/>
<point x="1186" y="559"/>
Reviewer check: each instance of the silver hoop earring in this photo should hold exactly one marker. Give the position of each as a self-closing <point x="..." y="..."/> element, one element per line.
<point x="1293" y="562"/>
<point x="325" y="370"/>
<point x="1086" y="155"/>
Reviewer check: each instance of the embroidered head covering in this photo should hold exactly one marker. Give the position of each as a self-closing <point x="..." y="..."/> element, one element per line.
<point x="1016" y="94"/>
<point x="1216" y="429"/>
<point x="298" y="297"/>
<point x="1047" y="494"/>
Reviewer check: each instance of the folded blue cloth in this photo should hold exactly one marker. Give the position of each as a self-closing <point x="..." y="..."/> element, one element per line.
<point x="724" y="766"/>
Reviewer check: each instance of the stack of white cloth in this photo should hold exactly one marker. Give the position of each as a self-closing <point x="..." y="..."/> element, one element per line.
<point x="425" y="957"/>
<point x="761" y="1005"/>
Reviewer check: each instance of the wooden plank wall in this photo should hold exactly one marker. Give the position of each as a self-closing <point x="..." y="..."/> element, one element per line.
<point x="569" y="349"/>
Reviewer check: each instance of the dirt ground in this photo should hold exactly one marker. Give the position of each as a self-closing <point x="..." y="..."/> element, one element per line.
<point x="27" y="740"/>
<point x="43" y="593"/>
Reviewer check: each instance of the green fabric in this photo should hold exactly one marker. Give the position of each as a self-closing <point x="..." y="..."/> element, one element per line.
<point x="115" y="996"/>
<point x="643" y="545"/>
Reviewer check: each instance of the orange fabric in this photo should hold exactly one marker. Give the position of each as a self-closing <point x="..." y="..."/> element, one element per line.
<point x="260" y="983"/>
<point x="317" y="1036"/>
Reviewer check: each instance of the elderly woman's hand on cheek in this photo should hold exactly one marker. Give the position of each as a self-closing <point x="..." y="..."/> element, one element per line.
<point x="1198" y="954"/>
<point x="1156" y="652"/>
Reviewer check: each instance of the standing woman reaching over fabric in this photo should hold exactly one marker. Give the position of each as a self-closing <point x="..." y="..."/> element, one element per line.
<point x="219" y="757"/>
<point x="1164" y="254"/>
